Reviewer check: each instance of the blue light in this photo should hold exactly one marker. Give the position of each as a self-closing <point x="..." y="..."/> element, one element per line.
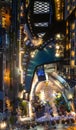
<point x="40" y="72"/>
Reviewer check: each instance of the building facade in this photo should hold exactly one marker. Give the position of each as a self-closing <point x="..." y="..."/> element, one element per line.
<point x="5" y="51"/>
<point x="70" y="48"/>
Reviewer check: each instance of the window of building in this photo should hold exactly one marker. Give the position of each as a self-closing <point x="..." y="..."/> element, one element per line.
<point x="73" y="26"/>
<point x="72" y="63"/>
<point x="68" y="8"/>
<point x="72" y="43"/>
<point x="69" y="45"/>
<point x="67" y="39"/>
<point x="72" y="53"/>
<point x="67" y="23"/>
<point x="70" y="11"/>
<point x="73" y="35"/>
<point x="27" y="3"/>
<point x="59" y="7"/>
<point x="66" y="31"/>
<point x="66" y="46"/>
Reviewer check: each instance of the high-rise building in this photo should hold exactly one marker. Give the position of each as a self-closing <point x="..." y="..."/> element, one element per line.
<point x="70" y="48"/>
<point x="4" y="44"/>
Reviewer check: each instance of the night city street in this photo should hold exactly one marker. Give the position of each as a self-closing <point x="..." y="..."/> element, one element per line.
<point x="37" y="64"/>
